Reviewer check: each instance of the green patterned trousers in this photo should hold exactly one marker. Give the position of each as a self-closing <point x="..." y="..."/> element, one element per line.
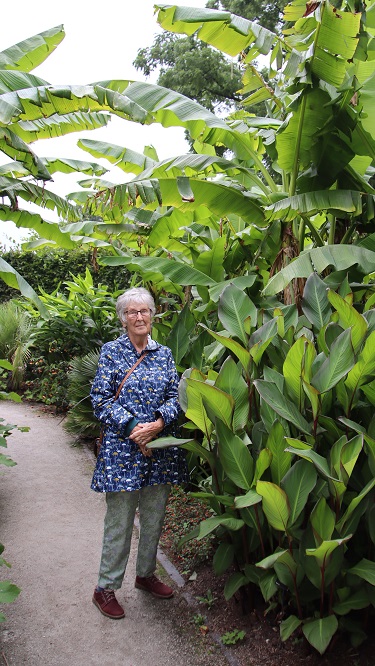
<point x="118" y="529"/>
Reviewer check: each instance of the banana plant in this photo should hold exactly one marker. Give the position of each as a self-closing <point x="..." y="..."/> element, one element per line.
<point x="287" y="440"/>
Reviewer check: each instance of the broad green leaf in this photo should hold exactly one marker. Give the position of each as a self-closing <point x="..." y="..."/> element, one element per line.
<point x="230" y="380"/>
<point x="167" y="442"/>
<point x="325" y="550"/>
<point x="322" y="520"/>
<point x="45" y="101"/>
<point x="349" y="456"/>
<point x="318" y="461"/>
<point x="58" y="125"/>
<point x="261" y="338"/>
<point x="311" y="203"/>
<point x="352" y="601"/>
<point x="298" y="483"/>
<point x="242" y="282"/>
<point x="226" y="32"/>
<point x="8" y="592"/>
<point x="275" y="504"/>
<point x="14" y="147"/>
<point x="234" y="308"/>
<point x="282" y="406"/>
<point x="337" y="365"/>
<point x="223" y="558"/>
<point x="340" y="257"/>
<point x="6" y="461"/>
<point x="288" y="627"/>
<point x="31" y="52"/>
<point x="319" y="633"/>
<point x="340" y="525"/>
<point x="5" y="364"/>
<point x="263" y="462"/>
<point x="299" y="135"/>
<point x="268" y="586"/>
<point x="235" y="457"/>
<point x="237" y="349"/>
<point x="349" y="318"/>
<point x="15" y="280"/>
<point x="211" y="261"/>
<point x="124" y="158"/>
<point x="269" y="561"/>
<point x="364" y="569"/>
<point x="211" y="524"/>
<point x="217" y="402"/>
<point x="179" y="338"/>
<point x="196" y="411"/>
<point x="294" y="366"/>
<point x="315" y="304"/>
<point x="363" y="371"/>
<point x="281" y="460"/>
<point x="233" y="583"/>
<point x="249" y="499"/>
<point x="177" y="272"/>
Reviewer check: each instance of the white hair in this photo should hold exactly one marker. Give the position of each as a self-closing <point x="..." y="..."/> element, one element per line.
<point x="137" y="296"/>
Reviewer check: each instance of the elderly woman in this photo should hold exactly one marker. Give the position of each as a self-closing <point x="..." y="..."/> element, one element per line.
<point x="146" y="407"/>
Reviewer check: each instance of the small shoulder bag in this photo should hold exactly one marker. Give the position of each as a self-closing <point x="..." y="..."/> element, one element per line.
<point x="99" y="440"/>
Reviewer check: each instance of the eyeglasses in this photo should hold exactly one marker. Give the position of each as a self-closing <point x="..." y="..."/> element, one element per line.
<point x="133" y="314"/>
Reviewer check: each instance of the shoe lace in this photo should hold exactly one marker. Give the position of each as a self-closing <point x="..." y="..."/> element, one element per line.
<point x="108" y="595"/>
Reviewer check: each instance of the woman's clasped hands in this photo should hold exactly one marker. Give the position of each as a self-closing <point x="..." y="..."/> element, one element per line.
<point x="143" y="433"/>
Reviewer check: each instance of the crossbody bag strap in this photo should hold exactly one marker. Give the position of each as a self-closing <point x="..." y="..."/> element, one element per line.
<point x="129" y="373"/>
<point x="99" y="440"/>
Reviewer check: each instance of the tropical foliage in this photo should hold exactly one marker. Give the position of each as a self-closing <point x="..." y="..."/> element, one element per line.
<point x="15" y="326"/>
<point x="264" y="284"/>
<point x="79" y="320"/>
<point x="287" y="434"/>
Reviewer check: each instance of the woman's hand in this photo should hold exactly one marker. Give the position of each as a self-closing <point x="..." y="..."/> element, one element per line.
<point x="143" y="433"/>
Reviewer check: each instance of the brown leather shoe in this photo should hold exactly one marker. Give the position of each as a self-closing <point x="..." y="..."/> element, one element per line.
<point x="108" y="605"/>
<point x="154" y="586"/>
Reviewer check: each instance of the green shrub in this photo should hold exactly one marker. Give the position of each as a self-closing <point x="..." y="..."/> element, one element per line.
<point x="288" y="435"/>
<point x="48" y="270"/>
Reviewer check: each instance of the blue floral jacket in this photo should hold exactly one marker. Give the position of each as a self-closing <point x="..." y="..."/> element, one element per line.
<point x="150" y="391"/>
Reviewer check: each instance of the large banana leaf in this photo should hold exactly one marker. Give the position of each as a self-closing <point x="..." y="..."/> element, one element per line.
<point x="31" y="52"/>
<point x="47" y="230"/>
<point x="53" y="165"/>
<point x="311" y="203"/>
<point x="329" y="37"/>
<point x="59" y="125"/>
<point x="13" y="279"/>
<point x="188" y="195"/>
<point x="13" y="188"/>
<point x="128" y="160"/>
<point x="171" y="109"/>
<point x="14" y="147"/>
<point x="177" y="272"/>
<point x="11" y="80"/>
<point x="45" y="101"/>
<point x="227" y="32"/>
<point x="340" y="257"/>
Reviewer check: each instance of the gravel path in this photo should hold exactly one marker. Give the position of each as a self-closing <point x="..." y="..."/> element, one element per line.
<point x="51" y="526"/>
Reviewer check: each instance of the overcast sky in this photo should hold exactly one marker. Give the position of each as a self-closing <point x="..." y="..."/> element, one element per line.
<point x="101" y="42"/>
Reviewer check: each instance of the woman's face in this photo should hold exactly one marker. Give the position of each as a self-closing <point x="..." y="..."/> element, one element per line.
<point x="138" y="319"/>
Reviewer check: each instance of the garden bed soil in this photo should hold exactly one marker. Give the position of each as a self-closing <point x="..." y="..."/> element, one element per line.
<point x="261" y="644"/>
